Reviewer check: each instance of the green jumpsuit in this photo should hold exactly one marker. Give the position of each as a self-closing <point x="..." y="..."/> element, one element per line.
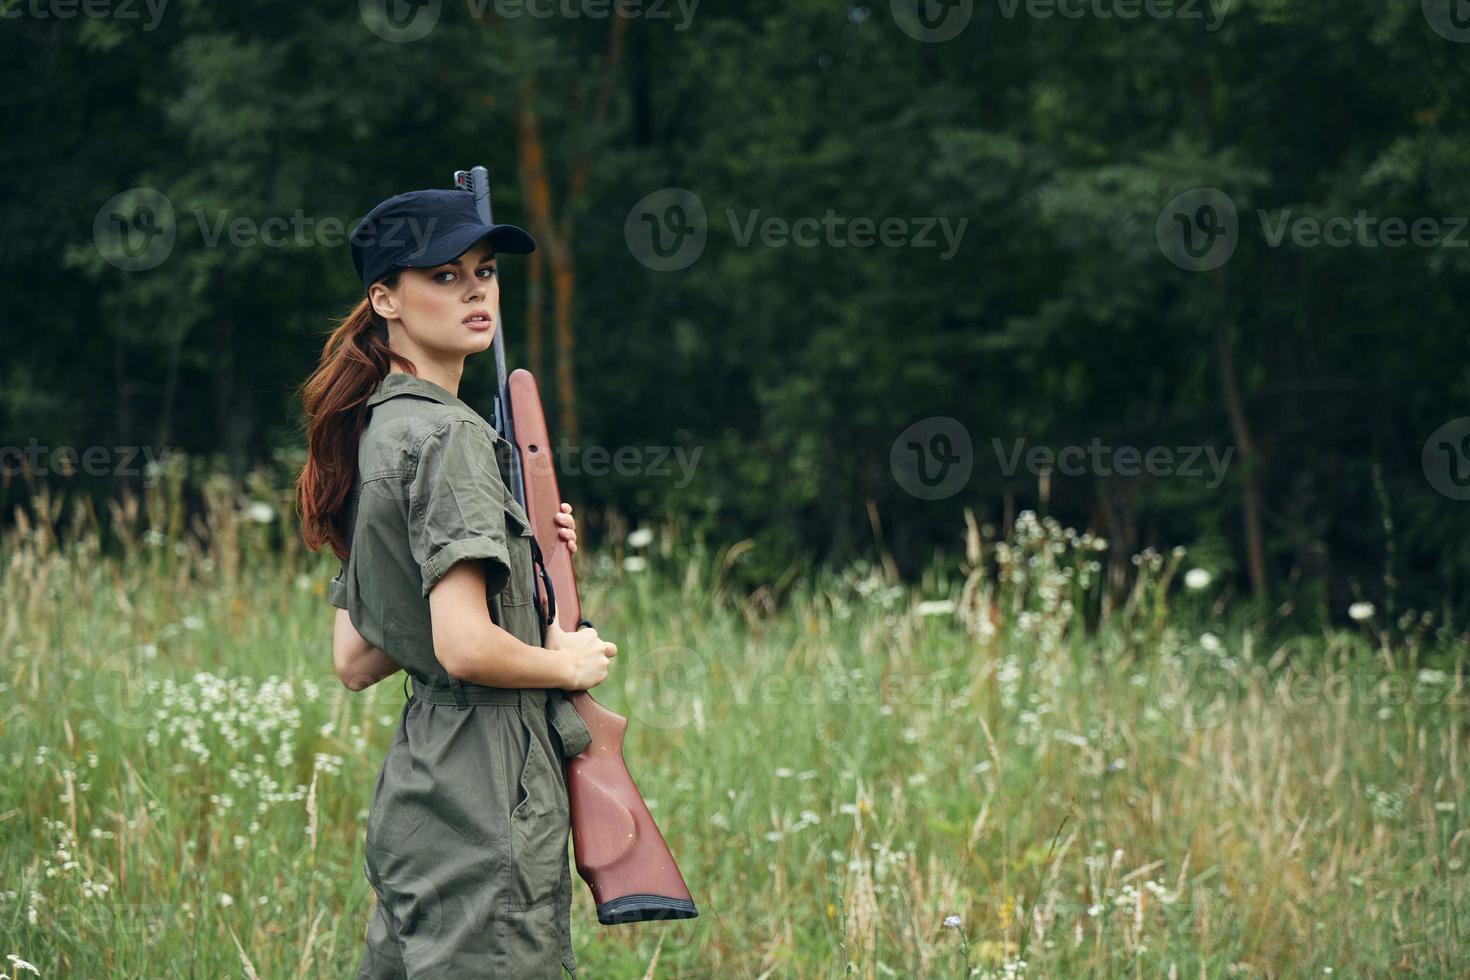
<point x="466" y="846"/>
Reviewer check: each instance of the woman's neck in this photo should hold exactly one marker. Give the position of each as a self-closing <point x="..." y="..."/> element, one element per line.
<point x="444" y="376"/>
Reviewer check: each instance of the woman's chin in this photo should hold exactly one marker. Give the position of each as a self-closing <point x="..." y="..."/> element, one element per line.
<point x="479" y="340"/>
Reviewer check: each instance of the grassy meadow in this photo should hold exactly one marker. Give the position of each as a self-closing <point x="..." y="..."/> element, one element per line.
<point x="992" y="773"/>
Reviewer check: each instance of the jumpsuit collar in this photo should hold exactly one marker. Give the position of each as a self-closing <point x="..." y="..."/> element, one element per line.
<point x="402" y="383"/>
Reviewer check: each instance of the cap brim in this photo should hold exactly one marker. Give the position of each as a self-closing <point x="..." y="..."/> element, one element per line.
<point x="503" y="238"/>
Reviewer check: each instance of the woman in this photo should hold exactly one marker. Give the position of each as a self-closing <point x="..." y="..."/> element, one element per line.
<point x="466" y="846"/>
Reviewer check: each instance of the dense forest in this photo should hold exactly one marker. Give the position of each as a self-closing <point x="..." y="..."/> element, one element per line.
<point x="826" y="275"/>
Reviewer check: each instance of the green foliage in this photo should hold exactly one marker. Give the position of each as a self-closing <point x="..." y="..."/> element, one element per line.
<point x="1056" y="319"/>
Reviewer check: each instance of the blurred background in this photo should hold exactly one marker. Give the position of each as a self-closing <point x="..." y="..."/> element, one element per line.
<point x="827" y="273"/>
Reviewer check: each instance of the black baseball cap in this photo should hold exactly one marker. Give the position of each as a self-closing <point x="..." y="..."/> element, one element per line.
<point x="422" y="229"/>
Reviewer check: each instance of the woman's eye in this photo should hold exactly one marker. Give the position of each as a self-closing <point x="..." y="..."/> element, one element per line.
<point x="437" y="276"/>
<point x="487" y="273"/>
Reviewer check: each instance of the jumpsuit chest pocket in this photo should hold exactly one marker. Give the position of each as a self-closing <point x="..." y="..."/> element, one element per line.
<point x="519" y="590"/>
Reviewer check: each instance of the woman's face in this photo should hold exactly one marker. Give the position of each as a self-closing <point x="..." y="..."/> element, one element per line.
<point x="445" y="312"/>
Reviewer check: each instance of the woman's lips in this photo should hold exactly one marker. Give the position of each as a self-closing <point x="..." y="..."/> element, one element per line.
<point x="479" y="324"/>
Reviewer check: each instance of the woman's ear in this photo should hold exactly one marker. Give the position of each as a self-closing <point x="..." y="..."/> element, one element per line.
<point x="384" y="303"/>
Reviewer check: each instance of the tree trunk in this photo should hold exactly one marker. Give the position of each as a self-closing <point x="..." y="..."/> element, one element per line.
<point x="535" y="322"/>
<point x="556" y="236"/>
<point x="1249" y="457"/>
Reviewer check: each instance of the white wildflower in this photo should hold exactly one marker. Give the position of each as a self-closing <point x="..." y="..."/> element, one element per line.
<point x="640" y="538"/>
<point x="1197" y="578"/>
<point x="1359" y="611"/>
<point x="261" y="512"/>
<point x="635" y="563"/>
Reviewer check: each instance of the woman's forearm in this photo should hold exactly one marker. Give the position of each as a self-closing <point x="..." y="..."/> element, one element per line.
<point x="498" y="659"/>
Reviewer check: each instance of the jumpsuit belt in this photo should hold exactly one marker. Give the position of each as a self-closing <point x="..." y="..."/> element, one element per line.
<point x="563" y="718"/>
<point x="462" y="694"/>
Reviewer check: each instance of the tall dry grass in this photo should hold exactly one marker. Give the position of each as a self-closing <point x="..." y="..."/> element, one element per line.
<point x="996" y="772"/>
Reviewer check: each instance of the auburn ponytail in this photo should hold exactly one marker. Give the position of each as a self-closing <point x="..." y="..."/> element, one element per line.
<point x="355" y="359"/>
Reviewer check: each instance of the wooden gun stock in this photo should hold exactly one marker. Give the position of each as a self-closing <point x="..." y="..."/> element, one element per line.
<point x="620" y="852"/>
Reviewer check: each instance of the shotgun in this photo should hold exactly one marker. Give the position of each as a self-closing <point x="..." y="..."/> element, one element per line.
<point x="620" y="852"/>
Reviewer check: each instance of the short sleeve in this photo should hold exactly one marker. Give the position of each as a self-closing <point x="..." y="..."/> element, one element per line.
<point x="337" y="589"/>
<point x="456" y="506"/>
